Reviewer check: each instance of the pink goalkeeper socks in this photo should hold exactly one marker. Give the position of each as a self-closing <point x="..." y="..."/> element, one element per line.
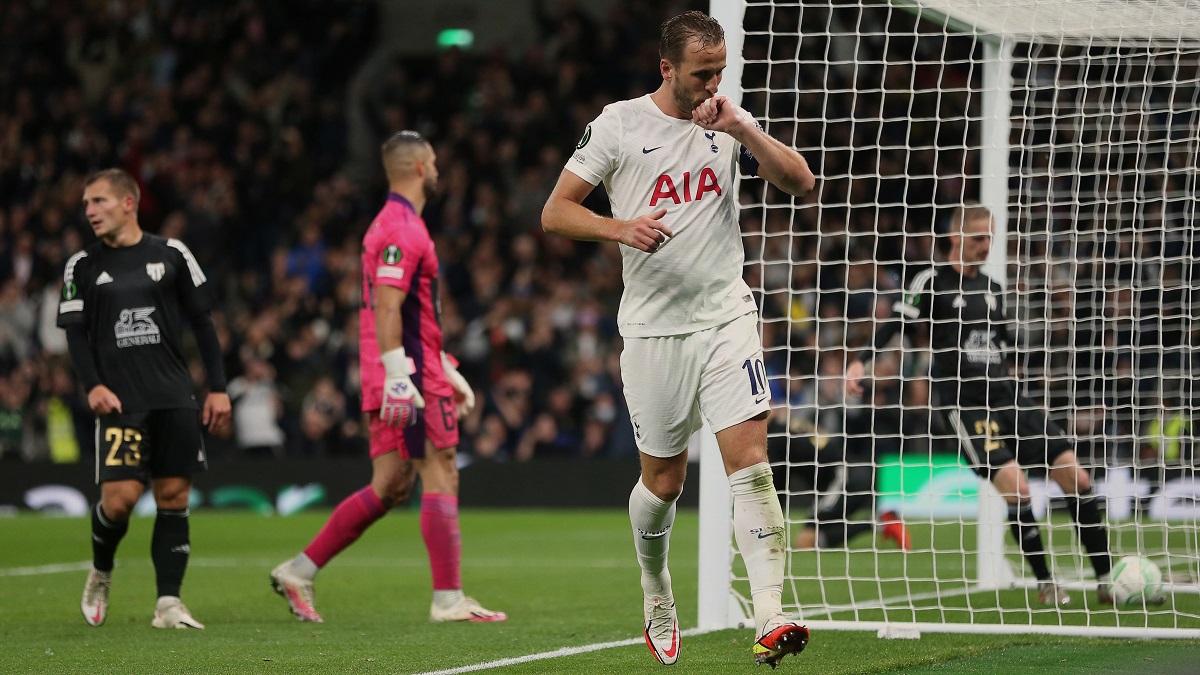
<point x="347" y="523"/>
<point x="443" y="540"/>
<point x="439" y="528"/>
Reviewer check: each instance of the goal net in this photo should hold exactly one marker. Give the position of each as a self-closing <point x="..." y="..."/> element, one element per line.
<point x="1077" y="123"/>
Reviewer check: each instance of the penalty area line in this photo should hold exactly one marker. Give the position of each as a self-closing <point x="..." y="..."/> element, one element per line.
<point x="557" y="653"/>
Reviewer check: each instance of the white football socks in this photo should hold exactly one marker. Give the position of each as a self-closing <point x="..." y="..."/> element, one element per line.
<point x="447" y="599"/>
<point x="651" y="518"/>
<point x="758" y="527"/>
<point x="304" y="566"/>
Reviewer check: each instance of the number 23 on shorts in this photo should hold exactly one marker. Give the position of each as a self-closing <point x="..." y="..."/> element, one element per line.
<point x="124" y="446"/>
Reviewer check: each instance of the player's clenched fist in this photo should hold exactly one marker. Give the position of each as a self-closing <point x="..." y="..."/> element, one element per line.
<point x="719" y="114"/>
<point x="401" y="400"/>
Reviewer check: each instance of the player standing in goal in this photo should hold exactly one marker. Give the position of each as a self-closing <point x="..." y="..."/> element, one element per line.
<point x="411" y="392"/>
<point x="689" y="321"/>
<point x="125" y="299"/>
<point x="1000" y="430"/>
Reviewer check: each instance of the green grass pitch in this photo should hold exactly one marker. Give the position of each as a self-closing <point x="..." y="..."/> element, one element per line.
<point x="567" y="579"/>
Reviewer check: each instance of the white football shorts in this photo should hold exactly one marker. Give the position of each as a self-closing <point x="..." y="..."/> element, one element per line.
<point x="671" y="381"/>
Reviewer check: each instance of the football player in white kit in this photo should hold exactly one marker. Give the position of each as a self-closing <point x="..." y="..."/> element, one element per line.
<point x="689" y="322"/>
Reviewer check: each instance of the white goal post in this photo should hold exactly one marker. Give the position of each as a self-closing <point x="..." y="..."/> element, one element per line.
<point x="1077" y="124"/>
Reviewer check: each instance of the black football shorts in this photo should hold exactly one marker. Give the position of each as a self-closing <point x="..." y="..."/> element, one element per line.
<point x="150" y="444"/>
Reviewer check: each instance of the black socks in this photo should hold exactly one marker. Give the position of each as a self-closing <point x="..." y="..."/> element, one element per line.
<point x="1025" y="530"/>
<point x="106" y="535"/>
<point x="169" y="549"/>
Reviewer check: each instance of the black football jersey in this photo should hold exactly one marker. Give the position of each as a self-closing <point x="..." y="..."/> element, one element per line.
<point x="968" y="329"/>
<point x="134" y="302"/>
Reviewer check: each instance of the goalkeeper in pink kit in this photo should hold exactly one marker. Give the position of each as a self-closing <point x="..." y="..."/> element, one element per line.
<point x="411" y="392"/>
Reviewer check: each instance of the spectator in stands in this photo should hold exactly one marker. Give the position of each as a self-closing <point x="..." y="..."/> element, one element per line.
<point x="322" y="412"/>
<point x="506" y="417"/>
<point x="1167" y="437"/>
<point x="18" y="320"/>
<point x="14" y="418"/>
<point x="257" y="407"/>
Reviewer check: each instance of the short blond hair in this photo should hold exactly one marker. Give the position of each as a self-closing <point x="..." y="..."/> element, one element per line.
<point x="120" y="180"/>
<point x="966" y="213"/>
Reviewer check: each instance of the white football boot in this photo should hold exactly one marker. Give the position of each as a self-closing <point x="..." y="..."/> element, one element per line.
<point x="95" y="596"/>
<point x="466" y="609"/>
<point x="170" y="613"/>
<point x="297" y="590"/>
<point x="661" y="628"/>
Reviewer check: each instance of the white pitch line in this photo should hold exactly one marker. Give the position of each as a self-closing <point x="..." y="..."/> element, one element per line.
<point x="557" y="653"/>
<point x="45" y="569"/>
<point x="58" y="568"/>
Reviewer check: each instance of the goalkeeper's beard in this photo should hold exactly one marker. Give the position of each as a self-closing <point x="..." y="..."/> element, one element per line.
<point x="430" y="188"/>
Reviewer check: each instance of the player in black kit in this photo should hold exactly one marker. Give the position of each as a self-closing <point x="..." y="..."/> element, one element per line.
<point x="999" y="429"/>
<point x="125" y="299"/>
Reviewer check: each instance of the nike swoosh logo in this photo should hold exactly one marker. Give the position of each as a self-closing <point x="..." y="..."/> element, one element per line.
<point x="670" y="653"/>
<point x="646" y="152"/>
<point x="759" y="400"/>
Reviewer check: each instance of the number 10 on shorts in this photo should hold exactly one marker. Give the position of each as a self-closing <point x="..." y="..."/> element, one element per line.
<point x="757" y="373"/>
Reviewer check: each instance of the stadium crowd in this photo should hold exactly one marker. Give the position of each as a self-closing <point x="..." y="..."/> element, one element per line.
<point x="233" y="117"/>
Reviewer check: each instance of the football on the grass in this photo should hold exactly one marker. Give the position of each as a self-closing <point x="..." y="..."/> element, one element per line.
<point x="1136" y="580"/>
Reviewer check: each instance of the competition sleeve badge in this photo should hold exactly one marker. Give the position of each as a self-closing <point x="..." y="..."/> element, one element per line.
<point x="578" y="155"/>
<point x="389" y="256"/>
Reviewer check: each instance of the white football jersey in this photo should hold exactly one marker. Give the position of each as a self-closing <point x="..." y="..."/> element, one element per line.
<point x="650" y="161"/>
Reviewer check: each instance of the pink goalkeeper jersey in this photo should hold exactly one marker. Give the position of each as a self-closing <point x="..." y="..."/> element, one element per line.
<point x="397" y="251"/>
